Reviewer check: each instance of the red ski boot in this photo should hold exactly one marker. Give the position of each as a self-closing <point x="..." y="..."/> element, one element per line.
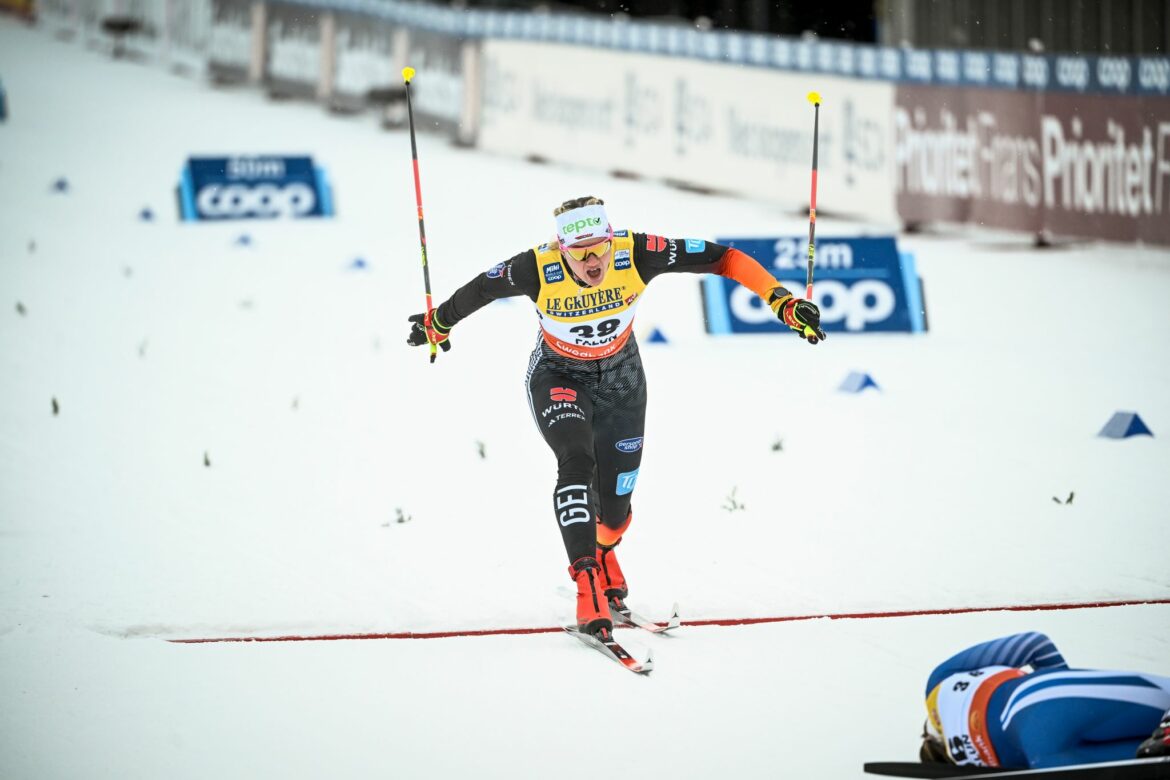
<point x="612" y="579"/>
<point x="613" y="582"/>
<point x="592" y="608"/>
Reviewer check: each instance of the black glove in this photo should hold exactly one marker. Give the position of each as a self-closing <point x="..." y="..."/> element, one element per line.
<point x="802" y="316"/>
<point x="426" y="329"/>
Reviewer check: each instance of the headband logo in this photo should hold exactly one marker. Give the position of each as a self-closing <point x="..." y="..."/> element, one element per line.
<point x="581" y="224"/>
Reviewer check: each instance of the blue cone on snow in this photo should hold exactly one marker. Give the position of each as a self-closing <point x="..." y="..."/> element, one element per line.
<point x="657" y="337"/>
<point x="1122" y="425"/>
<point x="244" y="240"/>
<point x="61" y="185"/>
<point x="358" y="264"/>
<point x="146" y="215"/>
<point x="857" y="381"/>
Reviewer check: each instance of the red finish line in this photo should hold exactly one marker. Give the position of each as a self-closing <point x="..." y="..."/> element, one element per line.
<point x="710" y="622"/>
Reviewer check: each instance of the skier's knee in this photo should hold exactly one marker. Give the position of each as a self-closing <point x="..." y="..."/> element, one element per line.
<point x="609" y="532"/>
<point x="575" y="466"/>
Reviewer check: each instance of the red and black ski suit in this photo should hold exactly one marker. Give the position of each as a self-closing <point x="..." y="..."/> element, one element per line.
<point x="585" y="383"/>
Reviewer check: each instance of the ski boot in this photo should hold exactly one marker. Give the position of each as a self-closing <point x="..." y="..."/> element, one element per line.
<point x="612" y="579"/>
<point x="613" y="582"/>
<point x="592" y="609"/>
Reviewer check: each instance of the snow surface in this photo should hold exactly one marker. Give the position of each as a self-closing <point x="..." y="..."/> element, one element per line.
<point x="164" y="343"/>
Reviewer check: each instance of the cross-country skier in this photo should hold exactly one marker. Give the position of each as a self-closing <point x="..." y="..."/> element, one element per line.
<point x="586" y="388"/>
<point x="985" y="708"/>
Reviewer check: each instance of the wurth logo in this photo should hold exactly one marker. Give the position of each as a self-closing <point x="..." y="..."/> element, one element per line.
<point x="563" y="394"/>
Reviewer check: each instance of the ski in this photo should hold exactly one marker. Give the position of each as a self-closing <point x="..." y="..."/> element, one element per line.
<point x="606" y="645"/>
<point x="622" y="613"/>
<point x="624" y="616"/>
<point x="1136" y="769"/>
<point x="927" y="771"/>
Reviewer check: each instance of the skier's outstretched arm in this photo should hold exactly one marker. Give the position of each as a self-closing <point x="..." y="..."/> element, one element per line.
<point x="516" y="276"/>
<point x="658" y="255"/>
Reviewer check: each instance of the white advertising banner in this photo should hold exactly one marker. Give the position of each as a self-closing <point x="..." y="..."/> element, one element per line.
<point x="187" y="33"/>
<point x="730" y="128"/>
<point x="367" y="52"/>
<point x="230" y="43"/>
<point x="294" y="50"/>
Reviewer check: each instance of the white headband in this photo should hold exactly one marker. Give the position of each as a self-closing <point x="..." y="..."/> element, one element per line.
<point x="582" y="224"/>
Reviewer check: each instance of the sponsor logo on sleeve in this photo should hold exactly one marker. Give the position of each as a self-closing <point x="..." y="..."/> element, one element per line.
<point x="655" y="243"/>
<point x="694" y="246"/>
<point x="553" y="272"/>
<point x="496" y="271"/>
<point x="562" y="394"/>
<point x="621" y="233"/>
<point x="629" y="445"/>
<point x="626" y="481"/>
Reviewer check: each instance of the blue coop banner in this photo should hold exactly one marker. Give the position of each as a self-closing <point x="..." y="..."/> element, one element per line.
<point x="861" y="285"/>
<point x="259" y="187"/>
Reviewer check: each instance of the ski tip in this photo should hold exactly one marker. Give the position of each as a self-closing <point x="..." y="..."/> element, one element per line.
<point x="647" y="665"/>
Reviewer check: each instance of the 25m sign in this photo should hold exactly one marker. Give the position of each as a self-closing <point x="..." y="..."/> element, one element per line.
<point x="861" y="285"/>
<point x="253" y="187"/>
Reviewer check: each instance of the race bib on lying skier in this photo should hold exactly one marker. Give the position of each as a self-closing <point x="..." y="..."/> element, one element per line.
<point x="959" y="705"/>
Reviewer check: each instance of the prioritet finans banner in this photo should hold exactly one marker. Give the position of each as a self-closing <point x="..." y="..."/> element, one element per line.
<point x="709" y="125"/>
<point x="1093" y="165"/>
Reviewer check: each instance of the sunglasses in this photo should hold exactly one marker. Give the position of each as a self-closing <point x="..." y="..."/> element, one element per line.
<point x="582" y="253"/>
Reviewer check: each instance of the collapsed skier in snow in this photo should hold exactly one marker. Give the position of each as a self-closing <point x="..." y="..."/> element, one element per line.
<point x="984" y="708"/>
<point x="585" y="382"/>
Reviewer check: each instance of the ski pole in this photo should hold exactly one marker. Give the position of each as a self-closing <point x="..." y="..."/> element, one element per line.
<point x="407" y="75"/>
<point x="815" y="99"/>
